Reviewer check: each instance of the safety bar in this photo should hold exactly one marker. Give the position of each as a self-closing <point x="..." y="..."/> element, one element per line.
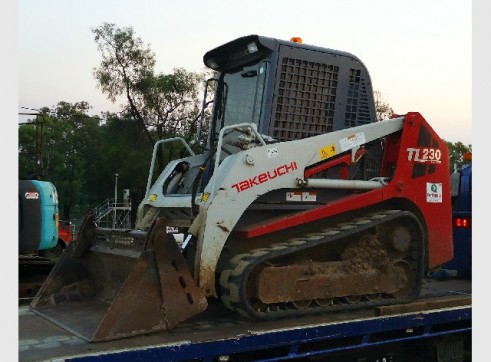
<point x="154" y="156"/>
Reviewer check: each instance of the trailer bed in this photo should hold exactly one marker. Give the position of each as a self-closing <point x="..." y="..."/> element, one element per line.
<point x="445" y="308"/>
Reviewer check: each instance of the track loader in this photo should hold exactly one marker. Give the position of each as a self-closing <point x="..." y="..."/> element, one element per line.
<point x="302" y="203"/>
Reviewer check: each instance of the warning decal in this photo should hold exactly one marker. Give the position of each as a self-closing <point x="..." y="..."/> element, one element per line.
<point x="434" y="192"/>
<point x="327" y="152"/>
<point x="205" y="196"/>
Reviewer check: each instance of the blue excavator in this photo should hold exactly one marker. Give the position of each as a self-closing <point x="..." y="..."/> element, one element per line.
<point x="38" y="233"/>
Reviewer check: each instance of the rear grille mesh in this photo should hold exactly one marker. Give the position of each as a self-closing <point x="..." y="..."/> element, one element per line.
<point x="306" y="99"/>
<point x="357" y="109"/>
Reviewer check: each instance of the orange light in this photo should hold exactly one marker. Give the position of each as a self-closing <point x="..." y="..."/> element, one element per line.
<point x="296" y="39"/>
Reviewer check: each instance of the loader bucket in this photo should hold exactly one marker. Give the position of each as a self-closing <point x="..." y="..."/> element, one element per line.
<point x="111" y="284"/>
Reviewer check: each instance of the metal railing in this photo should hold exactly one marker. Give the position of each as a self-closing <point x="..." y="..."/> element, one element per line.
<point x="115" y="215"/>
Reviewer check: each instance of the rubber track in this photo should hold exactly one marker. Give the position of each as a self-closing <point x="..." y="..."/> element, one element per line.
<point x="233" y="280"/>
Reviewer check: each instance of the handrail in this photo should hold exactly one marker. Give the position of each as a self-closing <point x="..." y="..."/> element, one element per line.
<point x="154" y="156"/>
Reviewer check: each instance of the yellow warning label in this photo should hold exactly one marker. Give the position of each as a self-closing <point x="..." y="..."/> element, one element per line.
<point x="328" y="151"/>
<point x="205" y="196"/>
<point x="152" y="197"/>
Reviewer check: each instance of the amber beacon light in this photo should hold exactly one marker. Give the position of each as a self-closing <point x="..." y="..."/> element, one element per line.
<point x="296" y="39"/>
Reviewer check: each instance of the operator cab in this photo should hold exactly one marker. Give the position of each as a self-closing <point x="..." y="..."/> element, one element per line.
<point x="288" y="90"/>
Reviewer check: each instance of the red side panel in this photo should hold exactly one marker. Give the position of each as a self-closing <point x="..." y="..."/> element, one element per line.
<point x="422" y="175"/>
<point x="417" y="161"/>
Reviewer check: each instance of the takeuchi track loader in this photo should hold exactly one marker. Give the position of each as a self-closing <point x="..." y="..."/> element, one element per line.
<point x="302" y="203"/>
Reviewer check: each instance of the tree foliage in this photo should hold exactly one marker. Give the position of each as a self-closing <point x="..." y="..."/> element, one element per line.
<point x="460" y="155"/>
<point x="162" y="105"/>
<point x="27" y="150"/>
<point x="65" y="139"/>
<point x="81" y="155"/>
<point x="382" y="107"/>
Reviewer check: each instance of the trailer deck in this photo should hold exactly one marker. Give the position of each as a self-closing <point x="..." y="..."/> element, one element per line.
<point x="218" y="334"/>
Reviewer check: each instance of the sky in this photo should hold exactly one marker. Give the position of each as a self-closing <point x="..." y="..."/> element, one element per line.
<point x="418" y="52"/>
<point x="424" y="56"/>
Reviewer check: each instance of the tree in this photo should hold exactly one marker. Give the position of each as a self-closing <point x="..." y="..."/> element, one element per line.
<point x="122" y="150"/>
<point x="163" y="105"/>
<point x="126" y="63"/>
<point x="81" y="154"/>
<point x="63" y="144"/>
<point x="27" y="151"/>
<point x="382" y="107"/>
<point x="459" y="155"/>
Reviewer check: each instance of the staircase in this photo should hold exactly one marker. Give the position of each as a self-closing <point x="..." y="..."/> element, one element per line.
<point x="113" y="215"/>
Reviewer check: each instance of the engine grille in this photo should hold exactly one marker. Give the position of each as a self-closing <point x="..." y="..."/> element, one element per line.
<point x="357" y="109"/>
<point x="307" y="95"/>
<point x="306" y="99"/>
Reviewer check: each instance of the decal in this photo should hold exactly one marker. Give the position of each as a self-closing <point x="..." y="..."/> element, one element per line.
<point x="299" y="196"/>
<point x="265" y="177"/>
<point x="352" y="141"/>
<point x="171" y="230"/>
<point x="273" y="152"/>
<point x="294" y="196"/>
<point x="152" y="197"/>
<point x="309" y="196"/>
<point x="327" y="152"/>
<point x="205" y="196"/>
<point x="31" y="195"/>
<point x="423" y="155"/>
<point x="434" y="192"/>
